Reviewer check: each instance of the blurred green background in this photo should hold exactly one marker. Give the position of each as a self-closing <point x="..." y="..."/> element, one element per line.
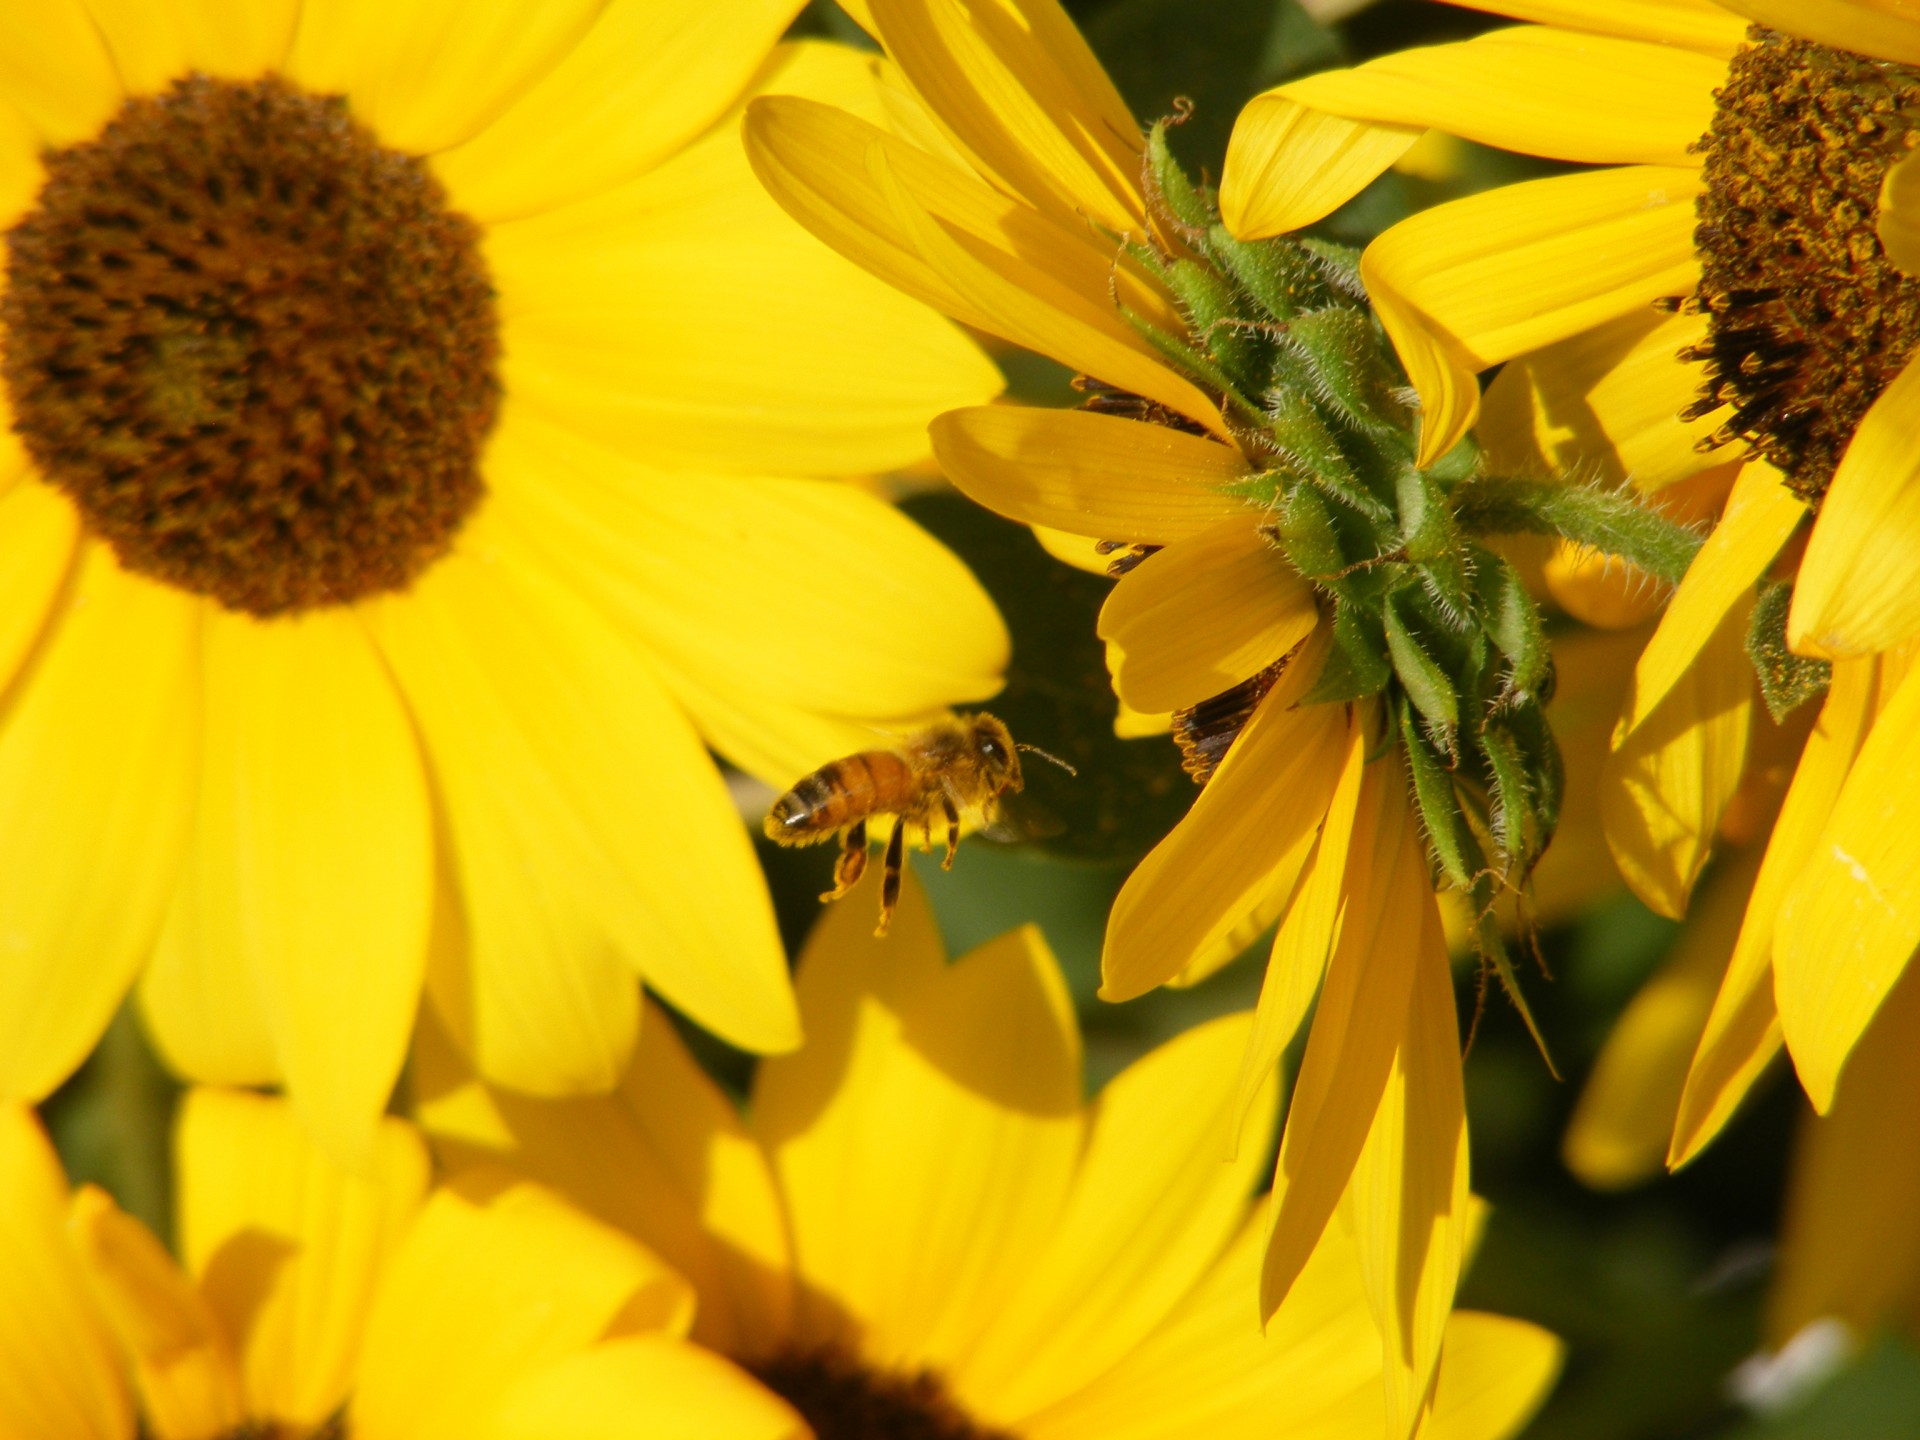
<point x="1656" y="1290"/>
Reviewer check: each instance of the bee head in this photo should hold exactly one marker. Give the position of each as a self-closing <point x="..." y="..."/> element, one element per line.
<point x="999" y="761"/>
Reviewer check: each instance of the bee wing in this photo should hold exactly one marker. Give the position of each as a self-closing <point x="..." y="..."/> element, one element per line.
<point x="1018" y="817"/>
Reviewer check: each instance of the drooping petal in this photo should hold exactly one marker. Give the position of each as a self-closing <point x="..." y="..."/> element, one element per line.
<point x="60" y="1370"/>
<point x="642" y="1387"/>
<point x="1623" y="1124"/>
<point x="287" y="1246"/>
<point x="1870" y="27"/>
<point x="666" y="1158"/>
<point x="1246" y="837"/>
<point x="1670" y="778"/>
<point x="1477" y="281"/>
<point x="1203" y="615"/>
<point x="58" y="76"/>
<point x="1851" y="918"/>
<point x="927" y="1134"/>
<point x="649" y="547"/>
<point x="495" y="1281"/>
<point x="945" y="237"/>
<point x="318" y="836"/>
<point x="154" y="45"/>
<point x="1857" y="592"/>
<point x="1848" y="1248"/>
<point x="645" y="79"/>
<point x="97" y="758"/>
<point x="537" y="715"/>
<point x="1564" y="94"/>
<point x="845" y="371"/>
<point x="1609" y="397"/>
<point x="1761" y="514"/>
<point x="181" y="1360"/>
<point x="1017" y="86"/>
<point x="1494" y="1373"/>
<point x="1743" y="1031"/>
<point x="1154" y="1204"/>
<point x="1093" y="475"/>
<point x="1289" y="165"/>
<point x="428" y="76"/>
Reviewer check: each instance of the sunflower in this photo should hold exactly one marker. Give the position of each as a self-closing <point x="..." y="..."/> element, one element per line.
<point x="921" y="1220"/>
<point x="1741" y="286"/>
<point x="310" y="1301"/>
<point x="419" y="431"/>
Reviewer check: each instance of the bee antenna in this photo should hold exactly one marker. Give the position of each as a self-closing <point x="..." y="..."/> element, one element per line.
<point x="1045" y="755"/>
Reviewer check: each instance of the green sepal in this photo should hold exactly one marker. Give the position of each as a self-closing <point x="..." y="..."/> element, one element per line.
<point x="1512" y="621"/>
<point x="1303" y="528"/>
<point x="1340" y="264"/>
<point x="1344" y="353"/>
<point x="1423" y="678"/>
<point x="1279" y="277"/>
<point x="1185" y="357"/>
<point x="1511" y="816"/>
<point x="1787" y="680"/>
<point x="1611" y="521"/>
<point x="1301" y="440"/>
<point x="1209" y="304"/>
<point x="1492" y="948"/>
<point x="1357" y="663"/>
<point x="1183" y="202"/>
<point x="1545" y="770"/>
<point x="1449" y="835"/>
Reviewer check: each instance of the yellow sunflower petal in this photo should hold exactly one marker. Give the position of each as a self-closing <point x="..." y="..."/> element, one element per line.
<point x="1624" y="1121"/>
<point x="1361" y="1022"/>
<point x="1080" y="551"/>
<point x="1668" y="780"/>
<point x="695" y="255"/>
<point x="1493" y="1375"/>
<point x="646" y="78"/>
<point x="1848" y="1247"/>
<point x="666" y="1158"/>
<point x="1203" y="615"/>
<point x="926" y="1136"/>
<point x="1409" y="1198"/>
<point x="1899" y="223"/>
<point x="39" y="531"/>
<point x="1020" y="89"/>
<point x="1151" y="1210"/>
<point x="1608" y="397"/>
<point x="286" y="1246"/>
<point x="1307" y="932"/>
<point x="986" y="260"/>
<point x="1246" y="837"/>
<point x="1477" y="281"/>
<point x="1703" y="24"/>
<point x="1743" y="1031"/>
<point x="154" y="45"/>
<point x="1856" y="592"/>
<point x="650" y="547"/>
<point x="1851" y="919"/>
<point x="1288" y="165"/>
<point x="57" y="75"/>
<point x="60" y="1370"/>
<point x="1887" y="29"/>
<point x="180" y="1358"/>
<point x="493" y="1283"/>
<point x="1094" y="475"/>
<point x="1564" y="94"/>
<point x="428" y="76"/>
<point x="1598" y="589"/>
<point x="557" y="755"/>
<point x="643" y="1387"/>
<point x="96" y="783"/>
<point x="1761" y="514"/>
<point x="323" y="844"/>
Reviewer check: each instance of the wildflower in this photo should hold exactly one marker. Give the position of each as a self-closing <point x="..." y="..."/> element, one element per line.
<point x="920" y="1219"/>
<point x="313" y="1302"/>
<point x="415" y="418"/>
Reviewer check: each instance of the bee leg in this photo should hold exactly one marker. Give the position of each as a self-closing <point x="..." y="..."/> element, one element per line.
<point x="852" y="863"/>
<point x="953" y="830"/>
<point x="890" y="878"/>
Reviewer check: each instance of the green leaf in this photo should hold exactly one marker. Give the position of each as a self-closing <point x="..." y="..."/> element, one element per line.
<point x="1787" y="680"/>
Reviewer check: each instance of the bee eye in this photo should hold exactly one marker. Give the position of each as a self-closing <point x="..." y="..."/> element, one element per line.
<point x="991" y="749"/>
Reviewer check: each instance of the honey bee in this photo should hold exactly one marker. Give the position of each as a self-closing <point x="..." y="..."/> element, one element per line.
<point x="963" y="763"/>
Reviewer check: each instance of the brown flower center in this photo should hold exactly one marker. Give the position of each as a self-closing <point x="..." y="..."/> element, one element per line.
<point x="1808" y="320"/>
<point x="255" y="348"/>
<point x="841" y="1399"/>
